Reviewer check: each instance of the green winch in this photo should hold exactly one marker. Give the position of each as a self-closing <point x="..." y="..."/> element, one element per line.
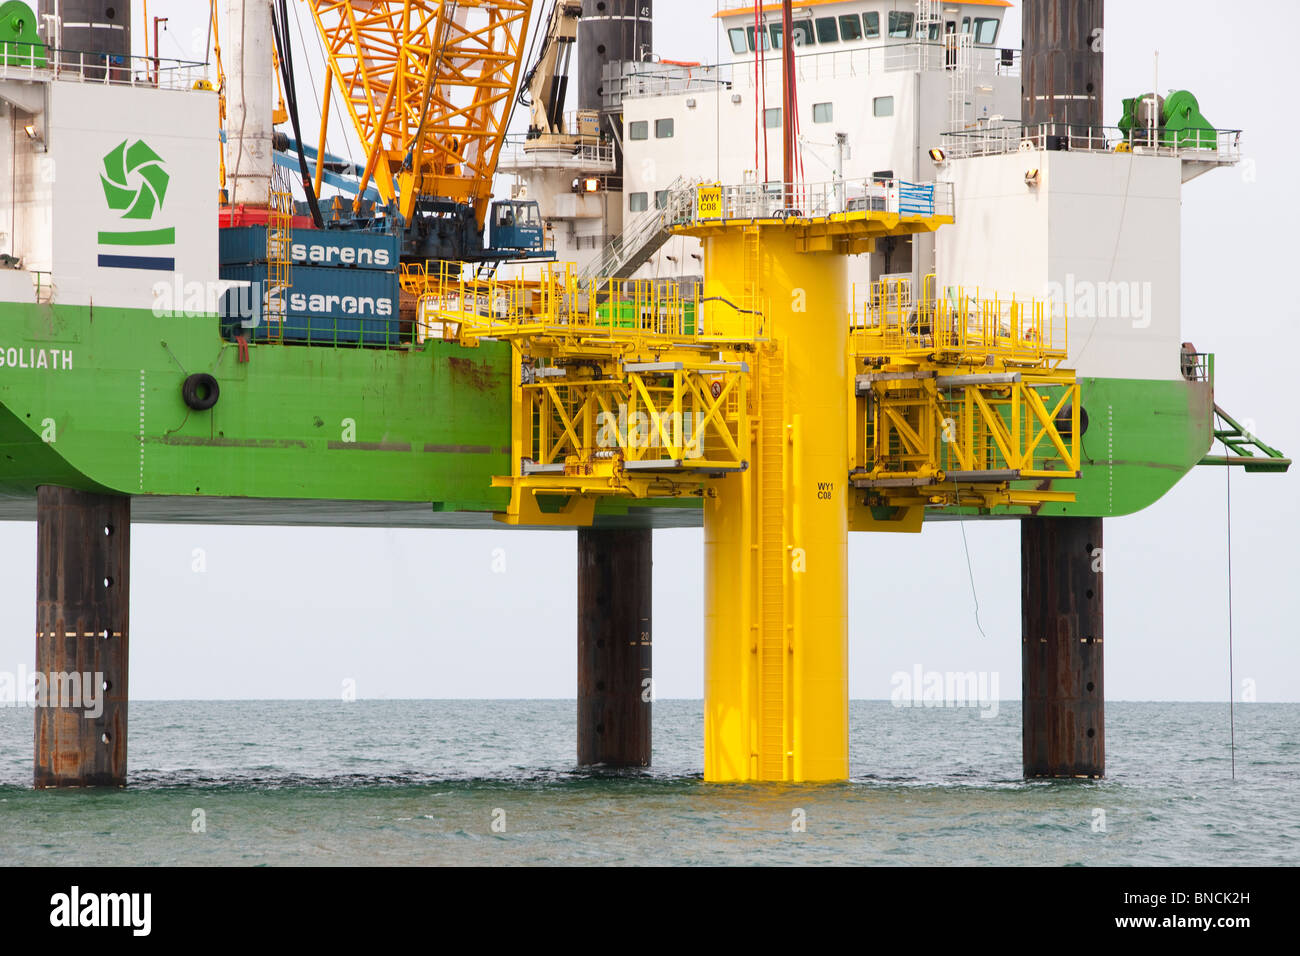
<point x="19" y="44"/>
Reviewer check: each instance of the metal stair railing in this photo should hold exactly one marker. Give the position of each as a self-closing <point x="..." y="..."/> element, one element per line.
<point x="628" y="252"/>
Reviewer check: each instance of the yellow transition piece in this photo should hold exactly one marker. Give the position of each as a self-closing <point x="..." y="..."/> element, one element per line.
<point x="776" y="535"/>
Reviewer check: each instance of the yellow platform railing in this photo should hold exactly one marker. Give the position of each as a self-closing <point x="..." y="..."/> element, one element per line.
<point x="561" y="315"/>
<point x="960" y="391"/>
<point x="964" y="327"/>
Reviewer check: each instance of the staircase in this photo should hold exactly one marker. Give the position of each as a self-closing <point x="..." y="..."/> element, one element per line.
<point x="643" y="236"/>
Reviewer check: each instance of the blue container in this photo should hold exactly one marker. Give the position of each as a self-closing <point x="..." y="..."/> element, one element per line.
<point x="329" y="306"/>
<point x="316" y="248"/>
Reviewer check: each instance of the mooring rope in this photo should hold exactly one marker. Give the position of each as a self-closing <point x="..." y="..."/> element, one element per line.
<point x="970" y="571"/>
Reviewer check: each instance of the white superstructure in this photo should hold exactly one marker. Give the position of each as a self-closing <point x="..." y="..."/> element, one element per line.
<point x="135" y="166"/>
<point x="873" y="98"/>
<point x="878" y="84"/>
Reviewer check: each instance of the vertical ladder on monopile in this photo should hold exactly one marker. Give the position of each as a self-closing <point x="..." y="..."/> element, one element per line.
<point x="773" y="650"/>
<point x="752" y="279"/>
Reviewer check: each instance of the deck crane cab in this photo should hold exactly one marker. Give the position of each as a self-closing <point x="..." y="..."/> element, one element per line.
<point x="517" y="224"/>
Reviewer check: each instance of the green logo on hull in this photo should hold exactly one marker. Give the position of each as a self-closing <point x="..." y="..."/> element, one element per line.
<point x="135" y="184"/>
<point x="134" y="180"/>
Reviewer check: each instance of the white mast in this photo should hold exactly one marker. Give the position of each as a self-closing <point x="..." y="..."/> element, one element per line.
<point x="250" y="89"/>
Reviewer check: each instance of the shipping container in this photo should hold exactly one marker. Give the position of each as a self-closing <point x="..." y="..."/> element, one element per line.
<point x="327" y="306"/>
<point x="317" y="248"/>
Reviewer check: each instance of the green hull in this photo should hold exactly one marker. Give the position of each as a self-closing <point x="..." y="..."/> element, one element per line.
<point x="362" y="436"/>
<point x="1142" y="437"/>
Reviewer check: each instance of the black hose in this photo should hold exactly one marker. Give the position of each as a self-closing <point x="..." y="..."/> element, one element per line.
<point x="540" y="26"/>
<point x="718" y="298"/>
<point x="280" y="27"/>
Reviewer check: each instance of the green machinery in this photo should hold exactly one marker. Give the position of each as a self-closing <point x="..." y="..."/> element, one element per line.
<point x="1179" y="122"/>
<point x="19" y="44"/>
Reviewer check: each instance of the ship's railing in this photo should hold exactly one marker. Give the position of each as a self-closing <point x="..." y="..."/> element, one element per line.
<point x="626" y="80"/>
<point x="892" y="321"/>
<point x="1196" y="366"/>
<point x="889" y="300"/>
<point x="552" y="304"/>
<point x="623" y="80"/>
<point x="592" y="156"/>
<point x="36" y="63"/>
<point x="775" y="200"/>
<point x="889" y="58"/>
<point x="994" y="139"/>
<point x="277" y="328"/>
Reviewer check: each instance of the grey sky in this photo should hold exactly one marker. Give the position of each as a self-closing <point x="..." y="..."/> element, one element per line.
<point x="293" y="613"/>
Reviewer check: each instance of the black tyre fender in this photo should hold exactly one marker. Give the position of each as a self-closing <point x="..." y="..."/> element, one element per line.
<point x="1063" y="421"/>
<point x="200" y="391"/>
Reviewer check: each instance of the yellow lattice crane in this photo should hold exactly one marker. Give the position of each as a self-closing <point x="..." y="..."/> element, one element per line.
<point x="428" y="86"/>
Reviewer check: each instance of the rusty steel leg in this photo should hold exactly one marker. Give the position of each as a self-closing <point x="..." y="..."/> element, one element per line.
<point x="83" y="559"/>
<point x="1061" y="647"/>
<point x="614" y="691"/>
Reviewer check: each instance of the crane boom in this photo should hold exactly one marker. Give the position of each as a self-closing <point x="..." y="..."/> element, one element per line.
<point x="428" y="85"/>
<point x="547" y="80"/>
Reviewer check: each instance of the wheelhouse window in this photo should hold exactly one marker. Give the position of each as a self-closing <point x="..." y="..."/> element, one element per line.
<point x="661" y="199"/>
<point x="850" y="28"/>
<point x="965" y="24"/>
<point x="802" y="30"/>
<point x="739" y="44"/>
<point x="871" y="21"/>
<point x="638" y="129"/>
<point x="823" y="112"/>
<point x="762" y="38"/>
<point x="900" y="24"/>
<point x="510" y="214"/>
<point x="986" y="29"/>
<point x="772" y="118"/>
<point x="882" y="106"/>
<point x="934" y="31"/>
<point x="664" y="128"/>
<point x="636" y="202"/>
<point x="826" y="30"/>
